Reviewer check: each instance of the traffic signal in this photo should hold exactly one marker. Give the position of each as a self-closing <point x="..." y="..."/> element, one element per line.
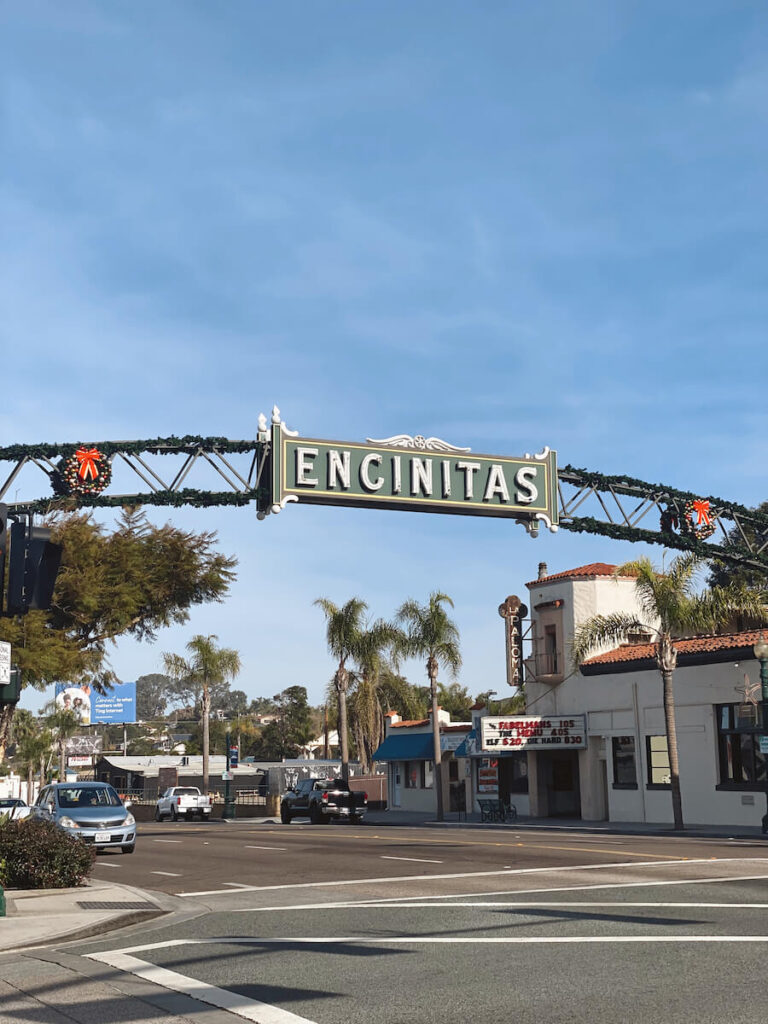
<point x="32" y="568"/>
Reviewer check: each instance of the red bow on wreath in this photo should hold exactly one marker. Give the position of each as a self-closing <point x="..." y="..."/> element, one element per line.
<point x="87" y="458"/>
<point x="701" y="508"/>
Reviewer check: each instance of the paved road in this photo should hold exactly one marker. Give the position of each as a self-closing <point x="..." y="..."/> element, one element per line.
<point x="190" y="858"/>
<point x="338" y="925"/>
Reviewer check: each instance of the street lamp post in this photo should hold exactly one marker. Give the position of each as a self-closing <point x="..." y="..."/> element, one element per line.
<point x="760" y="649"/>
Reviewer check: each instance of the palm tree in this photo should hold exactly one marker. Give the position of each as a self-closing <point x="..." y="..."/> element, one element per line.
<point x="430" y="632"/>
<point x="206" y="666"/>
<point x="672" y="607"/>
<point x="353" y="642"/>
<point x="63" y="723"/>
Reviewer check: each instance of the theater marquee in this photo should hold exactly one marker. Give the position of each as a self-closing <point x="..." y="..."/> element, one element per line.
<point x="416" y="474"/>
<point x="530" y="732"/>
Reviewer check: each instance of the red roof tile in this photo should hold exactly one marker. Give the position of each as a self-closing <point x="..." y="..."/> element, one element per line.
<point x="692" y="645"/>
<point x="582" y="572"/>
<point x="413" y="721"/>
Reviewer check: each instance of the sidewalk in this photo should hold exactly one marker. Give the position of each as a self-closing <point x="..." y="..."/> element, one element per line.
<point x="38" y="917"/>
<point x="426" y="819"/>
<point x="416" y="819"/>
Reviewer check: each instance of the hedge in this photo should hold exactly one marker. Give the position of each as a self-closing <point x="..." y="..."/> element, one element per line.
<point x="36" y="854"/>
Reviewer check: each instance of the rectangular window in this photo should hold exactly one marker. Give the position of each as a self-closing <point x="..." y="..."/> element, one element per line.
<point x="550" y="650"/>
<point x="412" y="774"/>
<point x="427" y="774"/>
<point x="658" y="760"/>
<point x="742" y="765"/>
<point x="624" y="763"/>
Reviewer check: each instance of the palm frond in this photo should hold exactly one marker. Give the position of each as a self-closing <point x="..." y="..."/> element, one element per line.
<point x="601" y="630"/>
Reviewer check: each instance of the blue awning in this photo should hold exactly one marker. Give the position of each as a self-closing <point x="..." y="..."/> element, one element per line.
<point x="406" y="748"/>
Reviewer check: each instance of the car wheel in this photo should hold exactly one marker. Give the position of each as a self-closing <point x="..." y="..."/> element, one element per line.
<point x="316" y="815"/>
<point x="285" y="815"/>
<point x="128" y="849"/>
<point x="174" y="814"/>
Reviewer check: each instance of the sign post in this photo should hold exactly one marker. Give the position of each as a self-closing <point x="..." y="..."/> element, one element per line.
<point x="229" y="803"/>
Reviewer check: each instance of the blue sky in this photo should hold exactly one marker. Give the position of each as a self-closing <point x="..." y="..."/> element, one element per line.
<point x="507" y="225"/>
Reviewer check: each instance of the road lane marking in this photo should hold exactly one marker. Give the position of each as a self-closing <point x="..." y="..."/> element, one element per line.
<point x="309" y="833"/>
<point x="236" y="885"/>
<point x="266" y="848"/>
<point x="167" y="840"/>
<point x="546" y="903"/>
<point x="105" y="864"/>
<point x="471" y="874"/>
<point x="122" y="960"/>
<point x="249" y="1009"/>
<point x="389" y="900"/>
<point x="418" y="860"/>
<point x="171" y="874"/>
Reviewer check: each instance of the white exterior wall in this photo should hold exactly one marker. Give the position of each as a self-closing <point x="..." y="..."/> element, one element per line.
<point x="697" y="689"/>
<point x="629" y="702"/>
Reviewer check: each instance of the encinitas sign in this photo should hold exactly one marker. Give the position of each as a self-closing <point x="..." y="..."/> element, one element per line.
<point x="415" y="474"/>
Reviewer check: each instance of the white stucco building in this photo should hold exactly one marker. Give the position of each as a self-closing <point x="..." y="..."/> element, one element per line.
<point x="622" y="774"/>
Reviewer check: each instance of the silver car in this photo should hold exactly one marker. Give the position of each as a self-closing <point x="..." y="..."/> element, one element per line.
<point x="92" y="811"/>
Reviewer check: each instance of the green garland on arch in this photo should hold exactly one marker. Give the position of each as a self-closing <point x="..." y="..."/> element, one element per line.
<point x="173" y="499"/>
<point x="159" y="445"/>
<point x="735" y="554"/>
<point x="630" y="485"/>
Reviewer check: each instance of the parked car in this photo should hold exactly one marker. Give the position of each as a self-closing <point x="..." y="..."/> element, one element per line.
<point x="14" y="808"/>
<point x="92" y="811"/>
<point x="323" y="800"/>
<point x="183" y="802"/>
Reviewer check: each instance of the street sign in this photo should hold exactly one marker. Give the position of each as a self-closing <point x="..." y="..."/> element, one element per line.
<point x="226" y="776"/>
<point x="763" y="744"/>
<point x="234" y="756"/>
<point x="5" y="663"/>
<point x="408" y="473"/>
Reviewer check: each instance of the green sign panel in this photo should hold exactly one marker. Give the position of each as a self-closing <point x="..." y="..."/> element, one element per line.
<point x="408" y="473"/>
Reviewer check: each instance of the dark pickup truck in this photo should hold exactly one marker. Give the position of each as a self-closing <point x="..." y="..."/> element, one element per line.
<point x="322" y="800"/>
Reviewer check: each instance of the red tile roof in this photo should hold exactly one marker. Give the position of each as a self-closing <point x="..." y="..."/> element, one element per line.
<point x="582" y="572"/>
<point x="692" y="645"/>
<point x="412" y="721"/>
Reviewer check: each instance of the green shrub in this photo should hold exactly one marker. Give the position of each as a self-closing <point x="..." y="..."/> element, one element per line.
<point x="36" y="854"/>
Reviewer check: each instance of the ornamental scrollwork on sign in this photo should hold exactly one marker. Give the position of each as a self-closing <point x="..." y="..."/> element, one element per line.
<point x="417" y="441"/>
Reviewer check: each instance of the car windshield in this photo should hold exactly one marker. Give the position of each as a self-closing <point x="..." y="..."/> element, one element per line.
<point x="186" y="792"/>
<point x="11" y="803"/>
<point x="88" y="796"/>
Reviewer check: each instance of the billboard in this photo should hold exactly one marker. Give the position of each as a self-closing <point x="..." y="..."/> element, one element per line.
<point x="83" y="746"/>
<point x="114" y="708"/>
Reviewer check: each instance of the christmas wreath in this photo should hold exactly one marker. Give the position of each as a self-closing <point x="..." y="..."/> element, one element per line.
<point x="698" y="520"/>
<point x="705" y="522"/>
<point x="85" y="471"/>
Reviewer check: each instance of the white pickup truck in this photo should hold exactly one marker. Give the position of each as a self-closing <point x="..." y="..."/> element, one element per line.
<point x="183" y="802"/>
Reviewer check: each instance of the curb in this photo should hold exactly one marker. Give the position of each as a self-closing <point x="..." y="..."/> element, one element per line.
<point x="117" y="921"/>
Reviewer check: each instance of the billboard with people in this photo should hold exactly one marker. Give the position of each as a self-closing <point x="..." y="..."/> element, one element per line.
<point x="117" y="707"/>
